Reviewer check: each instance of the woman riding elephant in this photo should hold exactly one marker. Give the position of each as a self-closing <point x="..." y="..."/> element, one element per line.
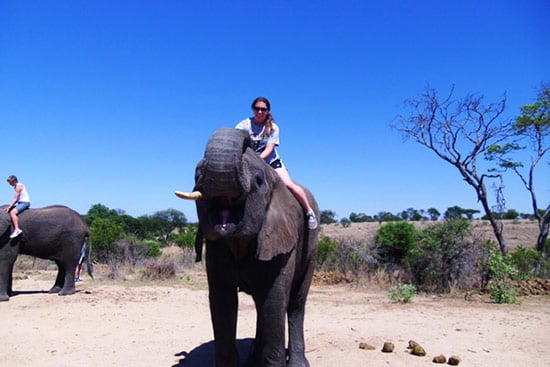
<point x="257" y="241"/>
<point x="264" y="136"/>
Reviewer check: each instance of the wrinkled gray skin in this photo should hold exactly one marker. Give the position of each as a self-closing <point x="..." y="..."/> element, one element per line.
<point x="257" y="241"/>
<point x="55" y="233"/>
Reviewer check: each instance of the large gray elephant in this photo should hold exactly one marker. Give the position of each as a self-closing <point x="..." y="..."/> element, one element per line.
<point x="257" y="241"/>
<point x="56" y="233"/>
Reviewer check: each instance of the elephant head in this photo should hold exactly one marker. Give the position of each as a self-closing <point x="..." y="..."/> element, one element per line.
<point x="239" y="197"/>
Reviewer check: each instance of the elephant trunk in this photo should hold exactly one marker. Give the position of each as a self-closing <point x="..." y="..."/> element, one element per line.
<point x="222" y="174"/>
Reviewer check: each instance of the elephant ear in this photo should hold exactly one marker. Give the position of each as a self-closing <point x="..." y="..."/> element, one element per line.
<point x="281" y="226"/>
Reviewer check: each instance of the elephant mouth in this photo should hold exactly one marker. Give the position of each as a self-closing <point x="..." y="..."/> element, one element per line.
<point x="226" y="215"/>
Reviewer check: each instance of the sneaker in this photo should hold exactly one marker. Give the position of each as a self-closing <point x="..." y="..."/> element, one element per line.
<point x="16" y="233"/>
<point x="311" y="220"/>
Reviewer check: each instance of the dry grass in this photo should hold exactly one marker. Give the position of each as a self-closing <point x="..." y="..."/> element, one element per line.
<point x="516" y="232"/>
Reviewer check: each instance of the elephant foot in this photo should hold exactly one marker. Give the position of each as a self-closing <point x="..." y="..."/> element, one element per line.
<point x="55" y="289"/>
<point x="4" y="297"/>
<point x="298" y="361"/>
<point x="67" y="292"/>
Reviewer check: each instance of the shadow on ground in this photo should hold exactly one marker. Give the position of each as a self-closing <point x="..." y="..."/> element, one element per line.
<point x="21" y="293"/>
<point x="203" y="355"/>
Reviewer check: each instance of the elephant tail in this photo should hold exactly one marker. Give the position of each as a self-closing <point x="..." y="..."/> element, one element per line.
<point x="198" y="245"/>
<point x="88" y="256"/>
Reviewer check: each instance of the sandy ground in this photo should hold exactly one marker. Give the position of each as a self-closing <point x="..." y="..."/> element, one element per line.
<point x="168" y="324"/>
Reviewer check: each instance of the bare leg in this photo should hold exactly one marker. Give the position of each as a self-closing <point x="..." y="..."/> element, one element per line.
<point x="14" y="219"/>
<point x="296" y="190"/>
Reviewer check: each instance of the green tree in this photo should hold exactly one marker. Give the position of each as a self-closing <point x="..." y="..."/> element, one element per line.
<point x="99" y="211"/>
<point x="359" y="217"/>
<point x="456" y="212"/>
<point x="105" y="233"/>
<point x="386" y="217"/>
<point x="328" y="217"/>
<point x="186" y="236"/>
<point x="412" y="215"/>
<point x="396" y="240"/>
<point x="532" y="127"/>
<point x="459" y="132"/>
<point x="434" y="213"/>
<point x="162" y="223"/>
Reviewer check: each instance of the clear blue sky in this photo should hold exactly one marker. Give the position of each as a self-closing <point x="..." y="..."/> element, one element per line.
<point x="112" y="102"/>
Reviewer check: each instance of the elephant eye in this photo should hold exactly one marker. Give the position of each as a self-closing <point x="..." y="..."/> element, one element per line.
<point x="259" y="177"/>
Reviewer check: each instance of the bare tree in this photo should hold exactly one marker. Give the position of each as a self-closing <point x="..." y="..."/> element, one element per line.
<point x="459" y="131"/>
<point x="533" y="127"/>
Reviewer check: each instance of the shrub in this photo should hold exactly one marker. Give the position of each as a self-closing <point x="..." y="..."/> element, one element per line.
<point x="345" y="222"/>
<point x="345" y="257"/>
<point x="186" y="237"/>
<point x="396" y="240"/>
<point x="105" y="233"/>
<point x="159" y="270"/>
<point x="447" y="255"/>
<point x="501" y="273"/>
<point x="152" y="249"/>
<point x="327" y="254"/>
<point x="525" y="261"/>
<point x="402" y="293"/>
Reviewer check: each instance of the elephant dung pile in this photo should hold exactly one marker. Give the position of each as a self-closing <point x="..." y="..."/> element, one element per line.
<point x="415" y="349"/>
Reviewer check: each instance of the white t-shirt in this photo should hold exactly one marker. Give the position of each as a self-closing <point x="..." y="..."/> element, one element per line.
<point x="260" y="142"/>
<point x="23" y="195"/>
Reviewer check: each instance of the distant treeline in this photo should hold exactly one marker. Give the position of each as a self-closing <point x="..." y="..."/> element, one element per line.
<point x="415" y="215"/>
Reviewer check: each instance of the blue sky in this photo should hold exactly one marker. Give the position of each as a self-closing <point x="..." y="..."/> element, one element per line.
<point x="112" y="102"/>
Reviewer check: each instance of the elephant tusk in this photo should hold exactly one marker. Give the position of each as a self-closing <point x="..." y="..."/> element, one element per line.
<point x="195" y="195"/>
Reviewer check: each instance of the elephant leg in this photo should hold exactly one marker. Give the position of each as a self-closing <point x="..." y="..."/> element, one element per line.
<point x="224" y="322"/>
<point x="59" y="279"/>
<point x="6" y="277"/>
<point x="68" y="287"/>
<point x="296" y="313"/>
<point x="296" y="343"/>
<point x="270" y="334"/>
<point x="223" y="308"/>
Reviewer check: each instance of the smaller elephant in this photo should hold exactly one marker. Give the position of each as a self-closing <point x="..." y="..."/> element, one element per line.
<point x="55" y="233"/>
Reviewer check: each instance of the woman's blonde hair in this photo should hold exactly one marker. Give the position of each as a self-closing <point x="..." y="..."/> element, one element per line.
<point x="268" y="123"/>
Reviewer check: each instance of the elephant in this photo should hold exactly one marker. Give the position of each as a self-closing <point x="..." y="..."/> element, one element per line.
<point x="56" y="233"/>
<point x="257" y="242"/>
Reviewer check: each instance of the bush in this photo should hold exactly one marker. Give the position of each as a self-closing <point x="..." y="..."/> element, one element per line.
<point x="327" y="254"/>
<point x="345" y="222"/>
<point x="186" y="237"/>
<point x="105" y="233"/>
<point x="159" y="270"/>
<point x="447" y="255"/>
<point x="152" y="249"/>
<point x="396" y="240"/>
<point x="525" y="261"/>
<point x="345" y="257"/>
<point x="402" y="293"/>
<point x="501" y="273"/>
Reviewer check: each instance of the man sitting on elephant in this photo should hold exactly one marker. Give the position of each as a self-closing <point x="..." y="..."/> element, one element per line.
<point x="21" y="201"/>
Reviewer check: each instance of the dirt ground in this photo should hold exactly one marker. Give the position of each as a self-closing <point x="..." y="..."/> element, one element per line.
<point x="168" y="324"/>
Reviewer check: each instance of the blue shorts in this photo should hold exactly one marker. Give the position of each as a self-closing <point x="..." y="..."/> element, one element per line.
<point x="21" y="206"/>
<point x="82" y="254"/>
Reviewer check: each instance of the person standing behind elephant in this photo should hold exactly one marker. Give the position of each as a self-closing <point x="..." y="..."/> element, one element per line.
<point x="21" y="201"/>
<point x="264" y="135"/>
<point x="78" y="272"/>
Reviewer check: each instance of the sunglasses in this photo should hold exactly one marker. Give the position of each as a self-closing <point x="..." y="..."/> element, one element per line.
<point x="260" y="109"/>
